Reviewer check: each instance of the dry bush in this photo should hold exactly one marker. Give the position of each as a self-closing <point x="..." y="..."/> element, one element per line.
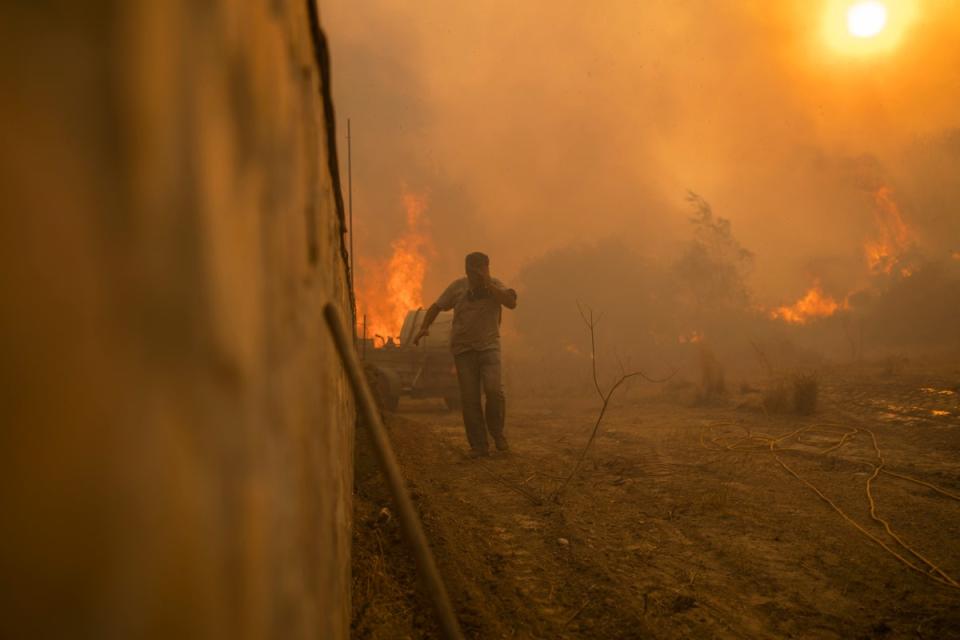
<point x="713" y="384"/>
<point x="797" y="394"/>
<point x="776" y="397"/>
<point x="894" y="365"/>
<point x="746" y="387"/>
<point x="677" y="384"/>
<point x="806" y="389"/>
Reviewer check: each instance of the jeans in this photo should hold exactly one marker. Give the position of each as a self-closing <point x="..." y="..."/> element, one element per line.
<point x="478" y="370"/>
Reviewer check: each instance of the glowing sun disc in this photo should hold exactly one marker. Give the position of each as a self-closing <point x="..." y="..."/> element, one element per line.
<point x="866" y="19"/>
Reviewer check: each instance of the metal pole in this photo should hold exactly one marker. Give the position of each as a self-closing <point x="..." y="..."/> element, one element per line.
<point x="409" y="521"/>
<point x="350" y="199"/>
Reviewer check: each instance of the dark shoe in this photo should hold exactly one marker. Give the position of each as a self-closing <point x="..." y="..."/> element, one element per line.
<point x="478" y="453"/>
<point x="501" y="443"/>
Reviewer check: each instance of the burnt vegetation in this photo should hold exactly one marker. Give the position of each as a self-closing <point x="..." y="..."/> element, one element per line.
<point x="696" y="310"/>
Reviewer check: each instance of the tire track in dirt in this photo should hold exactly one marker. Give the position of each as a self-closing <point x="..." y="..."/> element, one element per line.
<point x="517" y="570"/>
<point x="660" y="537"/>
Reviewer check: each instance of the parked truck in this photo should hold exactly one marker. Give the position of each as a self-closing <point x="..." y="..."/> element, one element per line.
<point x="397" y="367"/>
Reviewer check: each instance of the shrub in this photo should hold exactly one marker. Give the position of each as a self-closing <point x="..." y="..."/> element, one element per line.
<point x="776" y="398"/>
<point x="712" y="380"/>
<point x="806" y="388"/>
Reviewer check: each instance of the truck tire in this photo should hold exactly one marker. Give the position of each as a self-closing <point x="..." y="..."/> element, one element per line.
<point x="388" y="389"/>
<point x="385" y="384"/>
<point x="452" y="402"/>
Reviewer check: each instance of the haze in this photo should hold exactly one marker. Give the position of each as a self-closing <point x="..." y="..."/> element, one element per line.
<point x="541" y="126"/>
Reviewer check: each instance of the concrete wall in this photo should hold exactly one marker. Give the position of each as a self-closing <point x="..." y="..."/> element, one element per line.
<point x="175" y="430"/>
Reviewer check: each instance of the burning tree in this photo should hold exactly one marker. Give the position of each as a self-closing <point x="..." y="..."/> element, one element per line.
<point x="894" y="239"/>
<point x="712" y="272"/>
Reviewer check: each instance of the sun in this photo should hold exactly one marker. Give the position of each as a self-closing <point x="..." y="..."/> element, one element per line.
<point x="866" y="19"/>
<point x="867" y="27"/>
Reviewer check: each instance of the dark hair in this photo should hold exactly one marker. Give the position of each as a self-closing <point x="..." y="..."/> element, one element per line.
<point x="477" y="260"/>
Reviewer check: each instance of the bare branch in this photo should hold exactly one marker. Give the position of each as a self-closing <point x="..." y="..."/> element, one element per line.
<point x="591" y="323"/>
<point x="623" y="371"/>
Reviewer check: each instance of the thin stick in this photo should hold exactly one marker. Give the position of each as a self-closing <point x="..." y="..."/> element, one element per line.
<point x="577" y="612"/>
<point x="409" y="521"/>
<point x="591" y="323"/>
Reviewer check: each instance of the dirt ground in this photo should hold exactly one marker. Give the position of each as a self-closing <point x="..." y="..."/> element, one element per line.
<point x="679" y="525"/>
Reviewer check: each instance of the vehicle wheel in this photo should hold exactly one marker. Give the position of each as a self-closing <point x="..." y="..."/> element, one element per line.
<point x="386" y="387"/>
<point x="452" y="402"/>
<point x="389" y="389"/>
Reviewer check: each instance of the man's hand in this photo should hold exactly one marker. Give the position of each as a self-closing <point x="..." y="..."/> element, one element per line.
<point x="506" y="297"/>
<point x="423" y="333"/>
<point x="428" y="319"/>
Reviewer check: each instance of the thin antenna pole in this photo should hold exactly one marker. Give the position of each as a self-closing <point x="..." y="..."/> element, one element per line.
<point x="350" y="195"/>
<point x="350" y="217"/>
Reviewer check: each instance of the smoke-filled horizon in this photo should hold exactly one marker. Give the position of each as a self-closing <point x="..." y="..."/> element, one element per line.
<point x="528" y="129"/>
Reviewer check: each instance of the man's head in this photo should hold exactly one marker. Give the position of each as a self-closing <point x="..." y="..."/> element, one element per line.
<point x="478" y="268"/>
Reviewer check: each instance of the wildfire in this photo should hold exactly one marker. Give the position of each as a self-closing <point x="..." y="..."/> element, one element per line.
<point x="814" y="304"/>
<point x="886" y="252"/>
<point x="390" y="288"/>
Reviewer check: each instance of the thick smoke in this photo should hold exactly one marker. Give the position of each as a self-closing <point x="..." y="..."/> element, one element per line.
<point x="562" y="138"/>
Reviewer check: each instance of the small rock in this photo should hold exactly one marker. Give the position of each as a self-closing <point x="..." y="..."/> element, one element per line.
<point x="563" y="542"/>
<point x="682" y="603"/>
<point x="384" y="516"/>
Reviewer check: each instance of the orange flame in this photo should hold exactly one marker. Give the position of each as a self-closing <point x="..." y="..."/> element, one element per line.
<point x="813" y="304"/>
<point x="884" y="253"/>
<point x="390" y="288"/>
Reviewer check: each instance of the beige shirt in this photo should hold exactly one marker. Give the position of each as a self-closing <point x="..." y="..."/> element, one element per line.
<point x="476" y="317"/>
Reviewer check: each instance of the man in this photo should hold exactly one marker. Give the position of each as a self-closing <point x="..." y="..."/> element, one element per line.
<point x="475" y="341"/>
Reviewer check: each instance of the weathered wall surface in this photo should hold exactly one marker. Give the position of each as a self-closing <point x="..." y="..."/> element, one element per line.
<point x="176" y="432"/>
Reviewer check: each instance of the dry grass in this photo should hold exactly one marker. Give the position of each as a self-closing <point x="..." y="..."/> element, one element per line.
<point x="806" y="389"/>
<point x="713" y="385"/>
<point x="894" y="365"/>
<point x="776" y="397"/>
<point x="797" y="394"/>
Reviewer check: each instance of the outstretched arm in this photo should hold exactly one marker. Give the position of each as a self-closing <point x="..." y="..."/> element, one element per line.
<point x="428" y="319"/>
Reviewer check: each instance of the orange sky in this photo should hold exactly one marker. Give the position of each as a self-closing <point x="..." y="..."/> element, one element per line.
<point x="533" y="125"/>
